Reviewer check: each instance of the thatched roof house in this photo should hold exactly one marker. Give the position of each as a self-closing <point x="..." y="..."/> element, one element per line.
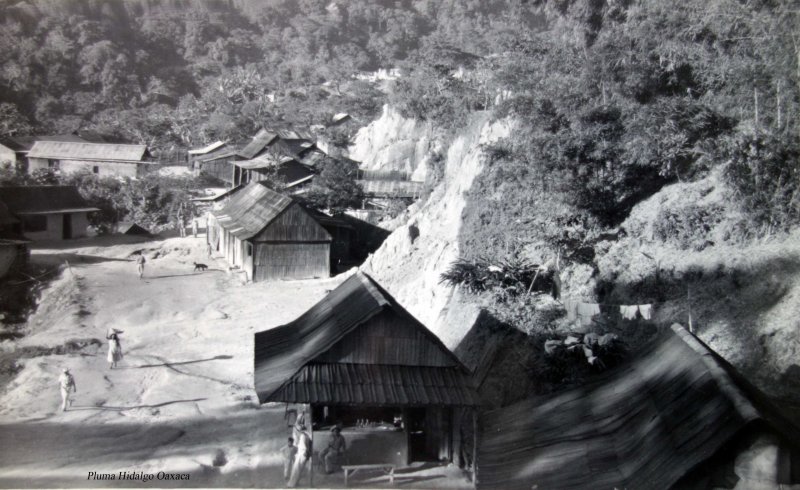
<point x="270" y="236"/>
<point x="678" y="417"/>
<point x="99" y="158"/>
<point x="359" y="355"/>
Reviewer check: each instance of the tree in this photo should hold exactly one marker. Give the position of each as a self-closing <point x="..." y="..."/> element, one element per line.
<point x="335" y="188"/>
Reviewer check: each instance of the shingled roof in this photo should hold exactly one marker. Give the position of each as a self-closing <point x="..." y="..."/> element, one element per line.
<point x="43" y="199"/>
<point x="251" y="209"/>
<point x="645" y="425"/>
<point x="290" y="365"/>
<point x="88" y="151"/>
<point x="257" y="144"/>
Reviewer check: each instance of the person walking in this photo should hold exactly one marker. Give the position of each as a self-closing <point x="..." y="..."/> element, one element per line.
<point x="303" y="454"/>
<point x="140" y="265"/>
<point x="67" y="384"/>
<point x="114" y="349"/>
<point x="332" y="455"/>
<point x="289" y="452"/>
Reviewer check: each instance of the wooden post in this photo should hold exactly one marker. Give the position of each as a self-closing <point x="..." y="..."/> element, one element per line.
<point x="689" y="303"/>
<point x="311" y="436"/>
<point x="474" y="448"/>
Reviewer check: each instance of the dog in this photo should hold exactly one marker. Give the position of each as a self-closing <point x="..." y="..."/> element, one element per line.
<point x="200" y="267"/>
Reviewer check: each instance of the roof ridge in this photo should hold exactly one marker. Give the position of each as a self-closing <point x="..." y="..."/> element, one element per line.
<point x="723" y="380"/>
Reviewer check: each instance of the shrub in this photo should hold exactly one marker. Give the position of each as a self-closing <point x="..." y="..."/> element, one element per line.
<point x="763" y="169"/>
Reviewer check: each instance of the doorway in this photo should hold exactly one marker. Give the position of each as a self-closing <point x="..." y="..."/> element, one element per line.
<point x="66" y="226"/>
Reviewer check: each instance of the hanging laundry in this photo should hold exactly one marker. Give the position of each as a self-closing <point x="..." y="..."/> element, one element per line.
<point x="646" y="311"/>
<point x="628" y="312"/>
<point x="586" y="311"/>
<point x="572" y="309"/>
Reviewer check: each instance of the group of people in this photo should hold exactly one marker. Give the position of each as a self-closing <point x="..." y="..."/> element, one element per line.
<point x="66" y="381"/>
<point x="298" y="451"/>
<point x="181" y="222"/>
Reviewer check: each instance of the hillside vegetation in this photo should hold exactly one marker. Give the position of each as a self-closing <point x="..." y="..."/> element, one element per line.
<point x="652" y="145"/>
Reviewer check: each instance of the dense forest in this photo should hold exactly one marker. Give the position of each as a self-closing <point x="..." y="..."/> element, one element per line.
<point x="613" y="98"/>
<point x="184" y="72"/>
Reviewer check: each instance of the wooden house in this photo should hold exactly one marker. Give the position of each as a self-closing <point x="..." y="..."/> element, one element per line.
<point x="14" y="252"/>
<point x="270" y="236"/>
<point x="103" y="159"/>
<point x="48" y="212"/>
<point x="358" y="360"/>
<point x="678" y="416"/>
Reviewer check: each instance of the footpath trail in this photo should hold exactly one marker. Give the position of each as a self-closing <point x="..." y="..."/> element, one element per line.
<point x="182" y="399"/>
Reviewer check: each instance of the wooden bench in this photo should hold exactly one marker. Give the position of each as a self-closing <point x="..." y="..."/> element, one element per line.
<point x="352" y="468"/>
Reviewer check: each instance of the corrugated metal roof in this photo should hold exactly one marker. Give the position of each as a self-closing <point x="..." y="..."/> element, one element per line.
<point x="266" y="160"/>
<point x="250" y="210"/>
<point x="42" y="199"/>
<point x="391" y="188"/>
<point x="375" y="384"/>
<point x="285" y="371"/>
<point x="260" y="141"/>
<point x="88" y="151"/>
<point x="25" y="143"/>
<point x="644" y="425"/>
<point x="202" y="151"/>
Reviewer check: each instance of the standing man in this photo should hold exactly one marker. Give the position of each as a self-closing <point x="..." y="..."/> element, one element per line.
<point x="194" y="227"/>
<point x="289" y="453"/>
<point x="140" y="264"/>
<point x="67" y="384"/>
<point x="332" y="454"/>
<point x="181" y="224"/>
<point x="303" y="453"/>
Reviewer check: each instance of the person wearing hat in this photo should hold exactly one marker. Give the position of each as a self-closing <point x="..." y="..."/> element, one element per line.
<point x="332" y="454"/>
<point x="67" y="384"/>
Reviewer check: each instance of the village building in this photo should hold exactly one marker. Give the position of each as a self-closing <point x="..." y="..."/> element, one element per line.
<point x="197" y="155"/>
<point x="48" y="212"/>
<point x="21" y="146"/>
<point x="679" y="416"/>
<point x="287" y="155"/>
<point x="14" y="252"/>
<point x="103" y="159"/>
<point x="270" y="236"/>
<point x="7" y="154"/>
<point x="359" y="361"/>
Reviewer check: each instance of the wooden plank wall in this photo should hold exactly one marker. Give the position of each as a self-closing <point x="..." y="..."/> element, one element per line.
<point x="290" y="261"/>
<point x="387" y="338"/>
<point x="294" y="224"/>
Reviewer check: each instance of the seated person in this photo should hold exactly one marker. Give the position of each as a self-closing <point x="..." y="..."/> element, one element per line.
<point x="332" y="454"/>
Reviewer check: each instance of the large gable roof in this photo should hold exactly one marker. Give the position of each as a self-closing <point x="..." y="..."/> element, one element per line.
<point x="260" y="141"/>
<point x="644" y="424"/>
<point x="251" y="209"/>
<point x="285" y="371"/>
<point x="88" y="151"/>
<point x="42" y="199"/>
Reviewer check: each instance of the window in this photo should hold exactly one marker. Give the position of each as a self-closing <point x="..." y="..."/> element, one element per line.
<point x="35" y="222"/>
<point x="95" y="169"/>
<point x="54" y="164"/>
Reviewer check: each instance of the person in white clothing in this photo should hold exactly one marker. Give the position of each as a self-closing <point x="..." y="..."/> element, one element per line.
<point x="67" y="385"/>
<point x="114" y="350"/>
<point x="303" y="454"/>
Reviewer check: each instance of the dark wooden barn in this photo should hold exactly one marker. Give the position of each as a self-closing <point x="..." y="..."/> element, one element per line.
<point x="677" y="417"/>
<point x="359" y="361"/>
<point x="270" y="236"/>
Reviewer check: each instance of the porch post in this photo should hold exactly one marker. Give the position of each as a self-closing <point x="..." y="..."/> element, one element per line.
<point x="311" y="436"/>
<point x="474" y="448"/>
